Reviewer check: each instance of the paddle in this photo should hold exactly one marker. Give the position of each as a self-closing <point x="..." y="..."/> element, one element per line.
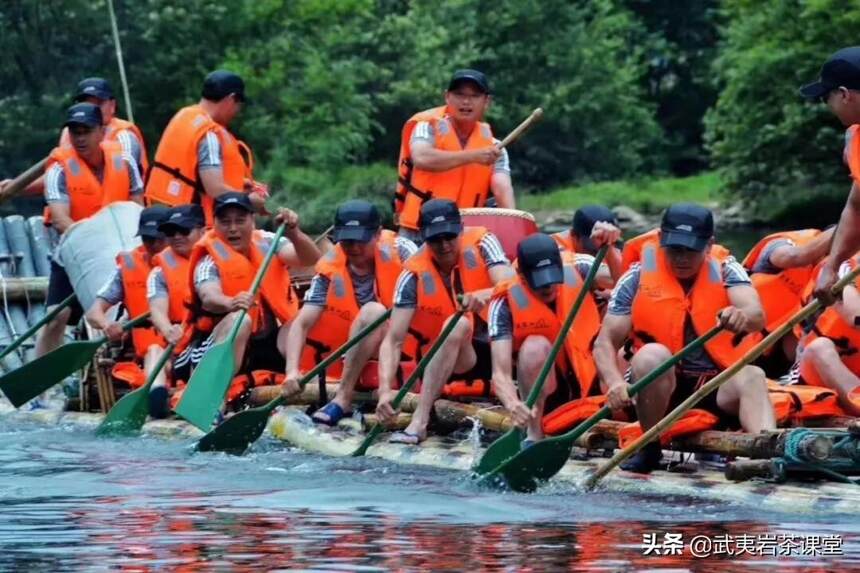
<point x="33" y="329"/>
<point x="33" y="378"/>
<point x="545" y="458"/>
<point x="205" y="391"/>
<point x="717" y="381"/>
<point x="20" y="183"/>
<point x="128" y="415"/>
<point x="419" y="371"/>
<point x="509" y="445"/>
<point x="243" y="429"/>
<point x="522" y="127"/>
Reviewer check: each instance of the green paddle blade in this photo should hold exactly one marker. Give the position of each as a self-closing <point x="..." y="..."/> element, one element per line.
<point x="500" y="451"/>
<point x="237" y="433"/>
<point x="205" y="391"/>
<point x="31" y="379"/>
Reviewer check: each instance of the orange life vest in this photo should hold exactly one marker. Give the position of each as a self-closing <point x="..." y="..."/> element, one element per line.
<point x="567" y="241"/>
<point x="435" y="302"/>
<point x="341" y="310"/>
<point x="851" y="152"/>
<point x="112" y="130"/>
<point x="237" y="273"/>
<point x="532" y="317"/>
<point x="692" y="422"/>
<point x="134" y="268"/>
<point x="174" y="179"/>
<point x="566" y="416"/>
<point x="467" y="185"/>
<point x="632" y="252"/>
<point x="86" y="194"/>
<point x="175" y="269"/>
<point x="661" y="308"/>
<point x="780" y="293"/>
<point x="846" y="337"/>
<point x="801" y="402"/>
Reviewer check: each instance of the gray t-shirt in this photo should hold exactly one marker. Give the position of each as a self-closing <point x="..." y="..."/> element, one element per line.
<point x="112" y="291"/>
<point x="56" y="189"/>
<point x="209" y="152"/>
<point x="425" y="133"/>
<point x="501" y="321"/>
<point x="363" y="285"/>
<point x="621" y="304"/>
<point x="406" y="289"/>
<point x="763" y="264"/>
<point x="156" y="285"/>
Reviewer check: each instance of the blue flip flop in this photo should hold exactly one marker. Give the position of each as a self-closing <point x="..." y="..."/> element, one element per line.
<point x="334" y="412"/>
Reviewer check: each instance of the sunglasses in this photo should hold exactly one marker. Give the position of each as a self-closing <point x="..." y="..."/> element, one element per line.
<point x="173" y="231"/>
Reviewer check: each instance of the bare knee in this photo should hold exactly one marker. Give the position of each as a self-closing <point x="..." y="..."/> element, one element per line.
<point x="462" y="331"/>
<point x="648" y="358"/>
<point x="749" y="381"/>
<point x="533" y="352"/>
<point x="370" y="312"/>
<point x="820" y="350"/>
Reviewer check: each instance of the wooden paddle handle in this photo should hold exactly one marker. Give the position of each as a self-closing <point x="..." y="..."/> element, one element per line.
<point x="17" y="185"/>
<point x="521" y="128"/>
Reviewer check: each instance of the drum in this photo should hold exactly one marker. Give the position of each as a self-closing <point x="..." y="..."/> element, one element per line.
<point x="509" y="225"/>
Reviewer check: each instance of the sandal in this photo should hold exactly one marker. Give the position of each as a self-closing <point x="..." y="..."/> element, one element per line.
<point x="405" y="437"/>
<point x="333" y="414"/>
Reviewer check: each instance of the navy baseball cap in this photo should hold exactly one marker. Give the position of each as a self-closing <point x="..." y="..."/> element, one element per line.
<point x="587" y="215"/>
<point x="356" y="221"/>
<point x="687" y="225"/>
<point x="233" y="199"/>
<point x="183" y="216"/>
<point x="539" y="260"/>
<point x="94" y="87"/>
<point x="841" y="69"/>
<point x="473" y="76"/>
<point x="221" y="83"/>
<point x="84" y="114"/>
<point x="440" y="217"/>
<point x="150" y="222"/>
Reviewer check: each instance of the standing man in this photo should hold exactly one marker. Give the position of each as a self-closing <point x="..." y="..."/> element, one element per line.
<point x="353" y="287"/>
<point x="677" y="293"/>
<point x="454" y="261"/>
<point x="198" y="159"/>
<point x="80" y="180"/>
<point x="839" y="88"/>
<point x="448" y="152"/>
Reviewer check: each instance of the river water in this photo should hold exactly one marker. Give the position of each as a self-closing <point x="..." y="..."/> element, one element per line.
<point x="73" y="502"/>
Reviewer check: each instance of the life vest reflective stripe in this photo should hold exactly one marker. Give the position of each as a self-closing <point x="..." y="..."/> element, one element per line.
<point x="846" y="337"/>
<point x="435" y="303"/>
<point x="112" y="131"/>
<point x="341" y="310"/>
<point x="632" y="252"/>
<point x="86" y="194"/>
<point x="175" y="269"/>
<point x="134" y="270"/>
<point x="174" y="179"/>
<point x="661" y="308"/>
<point x="780" y="293"/>
<point x="237" y="273"/>
<point x="692" y="422"/>
<point x="566" y="241"/>
<point x="467" y="185"/>
<point x="568" y="415"/>
<point x="532" y="317"/>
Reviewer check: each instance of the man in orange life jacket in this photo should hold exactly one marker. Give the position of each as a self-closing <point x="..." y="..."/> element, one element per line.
<point x="677" y="293"/>
<point x="592" y="226"/>
<point x="168" y="294"/>
<point x="453" y="261"/>
<point x="224" y="263"/>
<point x="829" y="355"/>
<point x="198" y="158"/>
<point x="781" y="266"/>
<point x="839" y="88"/>
<point x="524" y="320"/>
<point x="80" y="180"/>
<point x="98" y="91"/>
<point x="354" y="286"/>
<point x="450" y="153"/>
<point x="127" y="285"/>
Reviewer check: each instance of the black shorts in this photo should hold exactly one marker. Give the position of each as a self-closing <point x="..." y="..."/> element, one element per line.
<point x="483" y="368"/>
<point x="262" y="354"/>
<point x="59" y="288"/>
<point x="685" y="385"/>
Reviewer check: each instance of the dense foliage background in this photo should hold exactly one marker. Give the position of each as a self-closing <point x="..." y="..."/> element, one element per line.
<point x="626" y="85"/>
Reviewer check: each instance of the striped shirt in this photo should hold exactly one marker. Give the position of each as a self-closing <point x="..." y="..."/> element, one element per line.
<point x="209" y="154"/>
<point x="424" y="133"/>
<point x="363" y="285"/>
<point x="131" y="145"/>
<point x="763" y="264"/>
<point x="112" y="291"/>
<point x="56" y="189"/>
<point x="406" y="288"/>
<point x="156" y="285"/>
<point x="207" y="271"/>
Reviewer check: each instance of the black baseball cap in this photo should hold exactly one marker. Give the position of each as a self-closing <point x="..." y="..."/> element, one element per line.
<point x="150" y="222"/>
<point x="539" y="260"/>
<point x="84" y="114"/>
<point x="840" y="69"/>
<point x="687" y="225"/>
<point x="221" y="83"/>
<point x="94" y="87"/>
<point x="356" y="221"/>
<point x="233" y="199"/>
<point x="474" y="76"/>
<point x="183" y="216"/>
<point x="587" y="215"/>
<point x="440" y="217"/>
